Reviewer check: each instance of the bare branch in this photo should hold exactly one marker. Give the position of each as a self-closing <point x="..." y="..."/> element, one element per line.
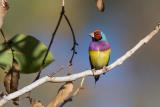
<point x="85" y="73"/>
<point x="63" y="93"/>
<point x="78" y="89"/>
<point x="70" y="98"/>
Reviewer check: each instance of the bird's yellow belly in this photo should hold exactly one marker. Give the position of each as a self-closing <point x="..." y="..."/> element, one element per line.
<point x="99" y="59"/>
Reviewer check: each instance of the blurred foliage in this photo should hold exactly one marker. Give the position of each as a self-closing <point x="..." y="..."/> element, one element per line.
<point x="28" y="52"/>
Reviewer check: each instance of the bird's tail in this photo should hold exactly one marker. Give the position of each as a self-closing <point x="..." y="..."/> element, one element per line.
<point x="96" y="77"/>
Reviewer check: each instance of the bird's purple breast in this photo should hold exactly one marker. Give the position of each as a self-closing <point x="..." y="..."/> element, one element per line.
<point x="99" y="46"/>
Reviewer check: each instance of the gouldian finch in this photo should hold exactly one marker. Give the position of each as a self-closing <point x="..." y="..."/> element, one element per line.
<point x="99" y="52"/>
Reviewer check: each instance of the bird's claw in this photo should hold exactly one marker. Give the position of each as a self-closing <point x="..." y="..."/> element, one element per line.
<point x="93" y="71"/>
<point x="104" y="70"/>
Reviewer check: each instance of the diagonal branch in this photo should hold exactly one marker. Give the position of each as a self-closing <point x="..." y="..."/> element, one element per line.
<point x="73" y="49"/>
<point x="85" y="73"/>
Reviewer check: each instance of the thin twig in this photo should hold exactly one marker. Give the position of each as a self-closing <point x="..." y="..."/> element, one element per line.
<point x="50" y="44"/>
<point x="85" y="73"/>
<point x="73" y="34"/>
<point x="79" y="88"/>
<point x="53" y="73"/>
<point x="4" y="38"/>
<point x="53" y="35"/>
<point x="74" y="41"/>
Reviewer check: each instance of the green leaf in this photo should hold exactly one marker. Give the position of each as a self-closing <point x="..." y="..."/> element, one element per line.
<point x="5" y="58"/>
<point x="28" y="52"/>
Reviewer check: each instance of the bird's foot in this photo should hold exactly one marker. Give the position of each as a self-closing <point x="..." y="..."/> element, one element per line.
<point x="93" y="71"/>
<point x="104" y="70"/>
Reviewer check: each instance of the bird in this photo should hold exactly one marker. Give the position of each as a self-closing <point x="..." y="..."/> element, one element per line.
<point x="99" y="52"/>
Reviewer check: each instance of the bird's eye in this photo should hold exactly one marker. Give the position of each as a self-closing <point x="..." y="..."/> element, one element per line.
<point x="96" y="33"/>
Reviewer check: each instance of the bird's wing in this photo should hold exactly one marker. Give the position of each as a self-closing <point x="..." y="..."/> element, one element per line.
<point x="91" y="63"/>
<point x="108" y="61"/>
